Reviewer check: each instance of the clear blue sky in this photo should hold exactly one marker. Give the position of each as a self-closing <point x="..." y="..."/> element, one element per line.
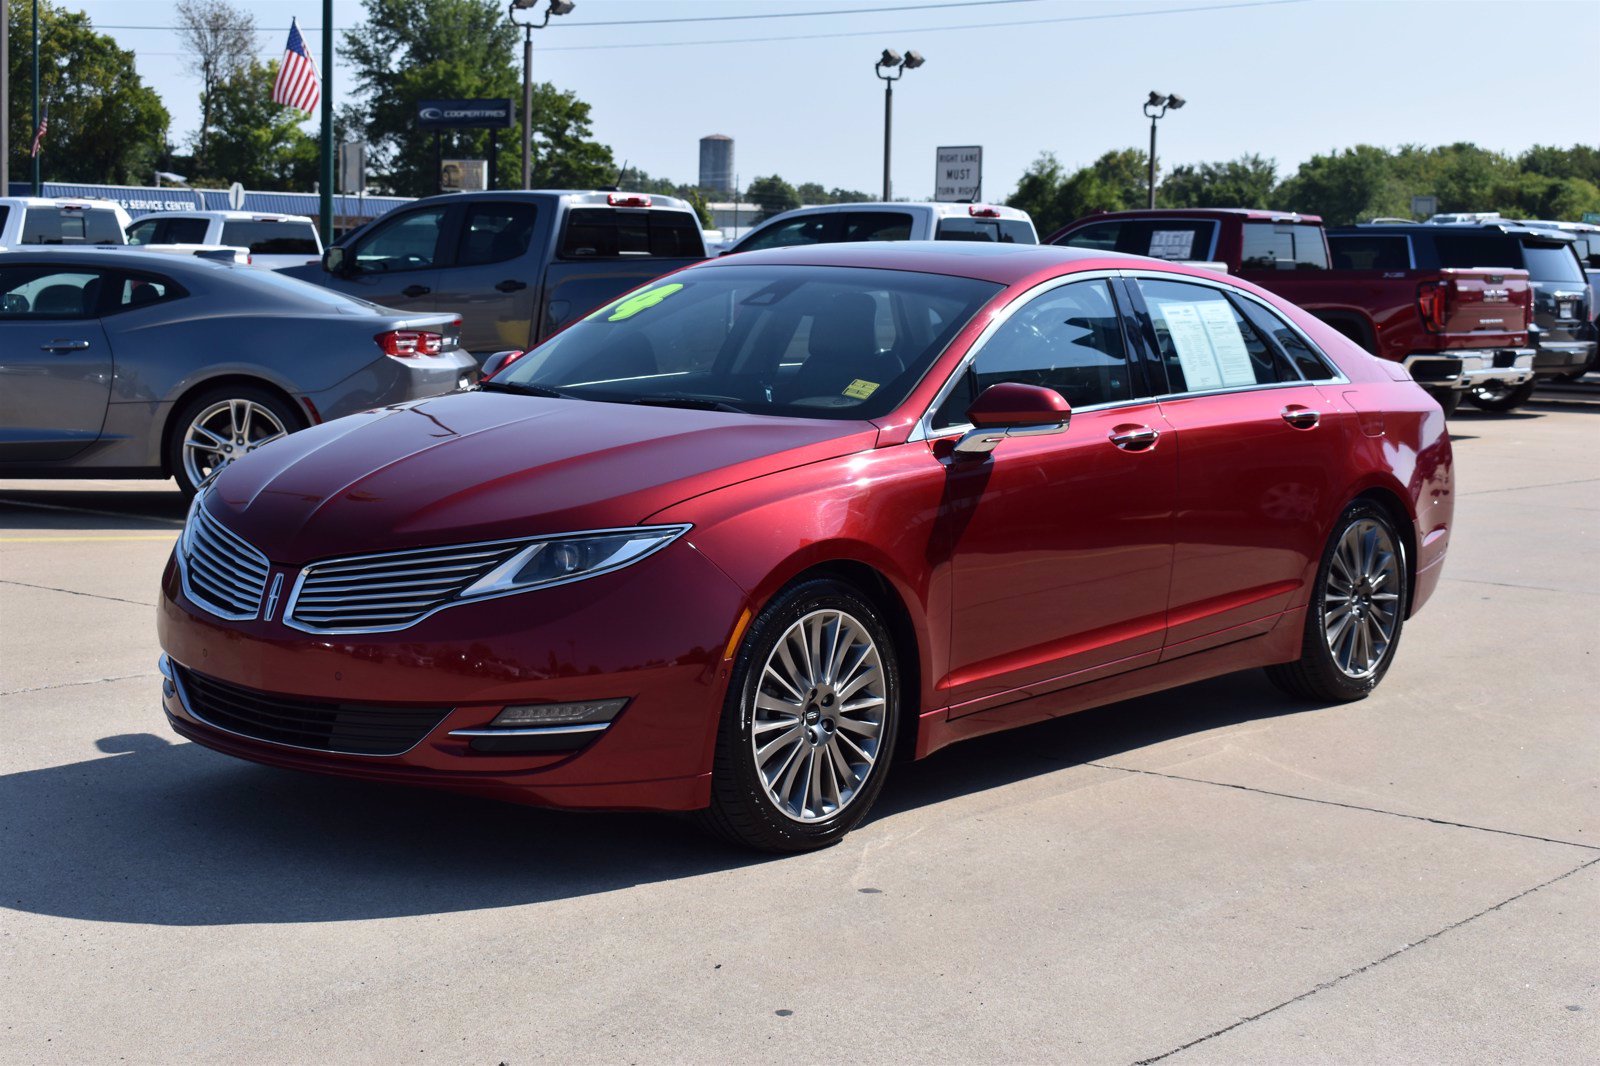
<point x="1286" y="80"/>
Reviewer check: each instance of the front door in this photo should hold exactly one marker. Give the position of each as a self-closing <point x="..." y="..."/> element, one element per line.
<point x="397" y="262"/>
<point x="55" y="362"/>
<point x="1061" y="545"/>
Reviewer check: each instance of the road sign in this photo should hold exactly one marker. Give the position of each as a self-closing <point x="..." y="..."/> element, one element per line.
<point x="352" y="166"/>
<point x="236" y="196"/>
<point x="1426" y="206"/>
<point x="958" y="176"/>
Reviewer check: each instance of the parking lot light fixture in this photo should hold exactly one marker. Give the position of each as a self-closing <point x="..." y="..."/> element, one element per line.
<point x="890" y="68"/>
<point x="1156" y="105"/>
<point x="556" y="7"/>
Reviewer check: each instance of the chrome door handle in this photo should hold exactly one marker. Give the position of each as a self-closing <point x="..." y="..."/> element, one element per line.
<point x="64" y="346"/>
<point x="1300" y="417"/>
<point x="1136" y="439"/>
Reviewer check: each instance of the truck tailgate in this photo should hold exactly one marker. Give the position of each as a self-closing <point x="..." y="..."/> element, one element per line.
<point x="1482" y="307"/>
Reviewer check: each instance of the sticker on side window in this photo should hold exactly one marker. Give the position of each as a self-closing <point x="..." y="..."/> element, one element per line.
<point x="639" y="301"/>
<point x="1172" y="244"/>
<point x="860" y="390"/>
<point x="1208" y="344"/>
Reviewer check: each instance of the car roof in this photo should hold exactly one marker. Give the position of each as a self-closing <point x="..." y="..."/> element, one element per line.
<point x="1504" y="226"/>
<point x="60" y="201"/>
<point x="1251" y="213"/>
<point x="117" y="255"/>
<point x="229" y="216"/>
<point x="574" y="197"/>
<point x="1005" y="264"/>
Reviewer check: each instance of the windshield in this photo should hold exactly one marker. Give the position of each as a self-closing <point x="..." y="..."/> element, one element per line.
<point x="809" y="342"/>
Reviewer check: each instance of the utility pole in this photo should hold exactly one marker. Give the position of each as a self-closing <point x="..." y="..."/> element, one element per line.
<point x="5" y="99"/>
<point x="325" y="205"/>
<point x="38" y="186"/>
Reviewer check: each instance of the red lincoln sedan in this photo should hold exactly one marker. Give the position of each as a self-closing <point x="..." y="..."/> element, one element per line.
<point x="737" y="541"/>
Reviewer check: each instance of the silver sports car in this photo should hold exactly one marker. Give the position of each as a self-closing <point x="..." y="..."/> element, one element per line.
<point x="118" y="363"/>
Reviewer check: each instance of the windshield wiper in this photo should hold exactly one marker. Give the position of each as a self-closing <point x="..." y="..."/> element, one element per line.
<point x="523" y="388"/>
<point x="696" y="403"/>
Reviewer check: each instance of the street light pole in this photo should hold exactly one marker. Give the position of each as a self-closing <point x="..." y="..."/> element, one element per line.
<point x="37" y="185"/>
<point x="897" y="65"/>
<point x="1154" y="107"/>
<point x="557" y="7"/>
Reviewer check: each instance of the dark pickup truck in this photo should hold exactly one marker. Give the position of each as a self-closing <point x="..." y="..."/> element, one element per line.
<point x="1457" y="329"/>
<point x="515" y="265"/>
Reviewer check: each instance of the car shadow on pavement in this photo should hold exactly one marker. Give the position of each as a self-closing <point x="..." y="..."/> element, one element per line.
<point x="90" y="509"/>
<point x="164" y="833"/>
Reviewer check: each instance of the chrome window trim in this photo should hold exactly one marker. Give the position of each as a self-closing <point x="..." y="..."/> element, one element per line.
<point x="1338" y="377"/>
<point x="300" y="579"/>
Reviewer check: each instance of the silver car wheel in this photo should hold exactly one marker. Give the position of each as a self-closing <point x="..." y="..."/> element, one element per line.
<point x="819" y="715"/>
<point x="223" y="432"/>
<point x="1361" y="598"/>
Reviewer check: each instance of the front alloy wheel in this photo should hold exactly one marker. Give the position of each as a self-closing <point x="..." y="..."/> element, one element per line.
<point x="809" y="723"/>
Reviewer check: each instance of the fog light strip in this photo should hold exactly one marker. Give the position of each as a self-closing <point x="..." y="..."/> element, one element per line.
<point x="534" y="731"/>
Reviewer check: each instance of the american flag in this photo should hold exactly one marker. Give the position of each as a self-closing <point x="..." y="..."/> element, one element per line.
<point x="297" y="84"/>
<point x="44" y="124"/>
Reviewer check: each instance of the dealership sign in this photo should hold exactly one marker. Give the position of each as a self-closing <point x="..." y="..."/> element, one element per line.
<point x="958" y="177"/>
<point x="456" y="114"/>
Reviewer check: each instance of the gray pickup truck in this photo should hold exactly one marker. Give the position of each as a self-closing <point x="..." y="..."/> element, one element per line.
<point x="515" y="265"/>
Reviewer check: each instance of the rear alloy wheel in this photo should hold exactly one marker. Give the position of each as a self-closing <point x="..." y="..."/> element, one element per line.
<point x="809" y="723"/>
<point x="222" y="426"/>
<point x="1500" y="398"/>
<point x="1356" y="612"/>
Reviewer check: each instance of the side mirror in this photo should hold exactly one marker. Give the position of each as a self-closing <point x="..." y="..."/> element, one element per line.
<point x="333" y="260"/>
<point x="1009" y="409"/>
<point x="499" y="361"/>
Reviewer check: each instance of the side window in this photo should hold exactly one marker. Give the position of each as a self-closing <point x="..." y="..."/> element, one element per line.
<point x="143" y="232"/>
<point x="876" y="226"/>
<point x="1159" y="238"/>
<point x="410" y="242"/>
<point x="494" y="233"/>
<point x="45" y="292"/>
<point x="1068" y="339"/>
<point x="141" y="290"/>
<point x="1206" y="343"/>
<point x="1370" y="253"/>
<point x="265" y="237"/>
<point x="1283" y="246"/>
<point x="187" y="231"/>
<point x="808" y="229"/>
<point x="1307" y="360"/>
<point x="1474" y="250"/>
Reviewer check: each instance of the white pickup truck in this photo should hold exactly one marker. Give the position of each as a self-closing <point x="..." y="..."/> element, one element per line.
<point x="268" y="242"/>
<point x="28" y="220"/>
<point x="897" y="221"/>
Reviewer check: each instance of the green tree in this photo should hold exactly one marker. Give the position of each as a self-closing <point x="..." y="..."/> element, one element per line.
<point x="106" y="124"/>
<point x="774" y="195"/>
<point x="256" y="141"/>
<point x="1244" y="182"/>
<point x="1052" y="197"/>
<point x="1353" y="185"/>
<point x="412" y="50"/>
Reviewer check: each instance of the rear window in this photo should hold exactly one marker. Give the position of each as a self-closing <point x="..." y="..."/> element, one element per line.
<point x="876" y="226"/>
<point x="991" y="230"/>
<point x="1370" y="253"/>
<point x="168" y="231"/>
<point x="270" y="238"/>
<point x="1468" y="250"/>
<point x="1160" y="238"/>
<point x="1283" y="246"/>
<point x="70" y="225"/>
<point x="607" y="233"/>
<point x="5" y="213"/>
<point x="1553" y="262"/>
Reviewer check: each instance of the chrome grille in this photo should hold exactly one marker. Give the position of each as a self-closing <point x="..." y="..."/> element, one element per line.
<point x="221" y="571"/>
<point x="372" y="593"/>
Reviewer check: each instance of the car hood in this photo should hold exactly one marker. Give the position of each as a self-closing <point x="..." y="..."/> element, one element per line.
<point x="484" y="466"/>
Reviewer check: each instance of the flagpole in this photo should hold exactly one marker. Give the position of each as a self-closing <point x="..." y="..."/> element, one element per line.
<point x="326" y="205"/>
<point x="37" y="186"/>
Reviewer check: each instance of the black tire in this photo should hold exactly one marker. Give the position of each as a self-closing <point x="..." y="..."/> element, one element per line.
<point x="742" y="810"/>
<point x="1501" y="399"/>
<point x="285" y="414"/>
<point x="1317" y="674"/>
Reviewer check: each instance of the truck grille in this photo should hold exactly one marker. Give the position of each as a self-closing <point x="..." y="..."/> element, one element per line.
<point x="344" y="728"/>
<point x="372" y="593"/>
<point x="221" y="572"/>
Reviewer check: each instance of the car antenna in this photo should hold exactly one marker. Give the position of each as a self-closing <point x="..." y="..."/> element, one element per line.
<point x="616" y="186"/>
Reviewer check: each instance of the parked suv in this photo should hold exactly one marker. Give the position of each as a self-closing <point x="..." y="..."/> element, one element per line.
<point x="1562" y="332"/>
<point x="845" y="223"/>
<point x="515" y="265"/>
<point x="270" y="242"/>
<point x="60" y="220"/>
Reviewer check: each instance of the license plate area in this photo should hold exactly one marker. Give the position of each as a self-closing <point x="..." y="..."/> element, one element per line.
<point x="1566" y="309"/>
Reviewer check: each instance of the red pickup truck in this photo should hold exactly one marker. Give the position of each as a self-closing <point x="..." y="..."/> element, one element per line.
<point x="1455" y="329"/>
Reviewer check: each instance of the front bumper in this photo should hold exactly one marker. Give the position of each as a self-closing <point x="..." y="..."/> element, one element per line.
<point x="654" y="634"/>
<point x="1556" y="358"/>
<point x="1467" y="369"/>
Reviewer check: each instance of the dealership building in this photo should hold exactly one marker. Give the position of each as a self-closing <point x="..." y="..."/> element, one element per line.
<point x="349" y="211"/>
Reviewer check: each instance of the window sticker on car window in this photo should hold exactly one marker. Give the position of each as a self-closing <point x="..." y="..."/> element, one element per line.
<point x="1222" y="330"/>
<point x="860" y="390"/>
<point x="639" y="301"/>
<point x="1208" y="344"/>
<point x="1172" y="244"/>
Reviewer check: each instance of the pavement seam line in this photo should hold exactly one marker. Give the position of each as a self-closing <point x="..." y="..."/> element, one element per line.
<point x="90" y="510"/>
<point x="73" y="684"/>
<point x="1522" y="488"/>
<point x="1348" y="806"/>
<point x="73" y="592"/>
<point x="1368" y="966"/>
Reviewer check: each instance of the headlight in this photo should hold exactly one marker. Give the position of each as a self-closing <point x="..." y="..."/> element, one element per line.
<point x="562" y="559"/>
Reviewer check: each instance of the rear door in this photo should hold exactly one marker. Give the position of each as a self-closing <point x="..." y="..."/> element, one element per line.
<point x="1257" y="447"/>
<point x="55" y="361"/>
<point x="488" y="281"/>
